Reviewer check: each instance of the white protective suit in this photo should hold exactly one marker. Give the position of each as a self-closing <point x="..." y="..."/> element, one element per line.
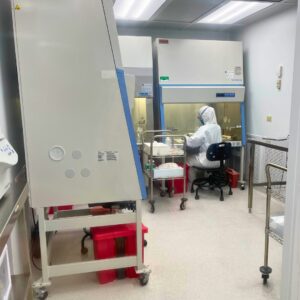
<point x="207" y="134"/>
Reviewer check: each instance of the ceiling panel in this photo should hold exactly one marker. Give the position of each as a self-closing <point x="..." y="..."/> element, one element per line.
<point x="182" y="14"/>
<point x="185" y="11"/>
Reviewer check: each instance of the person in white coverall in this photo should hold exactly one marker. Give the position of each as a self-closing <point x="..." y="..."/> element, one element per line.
<point x="207" y="134"/>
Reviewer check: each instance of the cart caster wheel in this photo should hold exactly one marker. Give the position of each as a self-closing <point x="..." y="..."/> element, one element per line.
<point x="84" y="250"/>
<point x="192" y="190"/>
<point x="144" y="279"/>
<point x="163" y="193"/>
<point x="197" y="197"/>
<point x="40" y="294"/>
<point x="265" y="272"/>
<point x="171" y="194"/>
<point x="152" y="209"/>
<point x="230" y="193"/>
<point x="222" y="196"/>
<point x="242" y="187"/>
<point x="182" y="205"/>
<point x="145" y="243"/>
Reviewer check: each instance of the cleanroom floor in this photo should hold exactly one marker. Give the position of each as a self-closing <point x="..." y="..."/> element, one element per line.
<point x="210" y="251"/>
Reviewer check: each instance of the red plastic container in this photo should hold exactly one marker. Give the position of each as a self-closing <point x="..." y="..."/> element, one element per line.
<point x="233" y="177"/>
<point x="105" y="247"/>
<point x="178" y="183"/>
<point x="65" y="207"/>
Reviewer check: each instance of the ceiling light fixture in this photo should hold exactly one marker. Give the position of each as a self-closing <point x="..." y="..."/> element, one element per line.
<point x="234" y="11"/>
<point x="143" y="6"/>
<point x="122" y="8"/>
<point x="136" y="10"/>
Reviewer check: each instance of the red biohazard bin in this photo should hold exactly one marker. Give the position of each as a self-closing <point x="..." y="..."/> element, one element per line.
<point x="233" y="177"/>
<point x="104" y="239"/>
<point x="178" y="183"/>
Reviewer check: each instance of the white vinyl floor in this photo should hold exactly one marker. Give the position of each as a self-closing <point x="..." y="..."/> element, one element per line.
<point x="210" y="251"/>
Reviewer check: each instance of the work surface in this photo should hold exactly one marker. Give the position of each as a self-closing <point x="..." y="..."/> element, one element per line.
<point x="210" y="251"/>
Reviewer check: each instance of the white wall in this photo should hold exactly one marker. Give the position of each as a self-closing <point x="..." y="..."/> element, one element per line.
<point x="136" y="51"/>
<point x="268" y="44"/>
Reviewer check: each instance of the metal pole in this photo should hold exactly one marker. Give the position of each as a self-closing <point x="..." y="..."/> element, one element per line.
<point x="139" y="236"/>
<point x="242" y="168"/>
<point x="184" y="165"/>
<point x="151" y="175"/>
<point x="267" y="228"/>
<point x="250" y="179"/>
<point x="43" y="245"/>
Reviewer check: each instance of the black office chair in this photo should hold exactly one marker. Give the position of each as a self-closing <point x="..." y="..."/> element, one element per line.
<point x="217" y="177"/>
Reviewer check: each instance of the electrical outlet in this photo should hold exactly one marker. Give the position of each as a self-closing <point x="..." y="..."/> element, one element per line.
<point x="279" y="84"/>
<point x="269" y="118"/>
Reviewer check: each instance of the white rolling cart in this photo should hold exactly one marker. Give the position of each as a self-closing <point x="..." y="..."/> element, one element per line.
<point x="156" y="154"/>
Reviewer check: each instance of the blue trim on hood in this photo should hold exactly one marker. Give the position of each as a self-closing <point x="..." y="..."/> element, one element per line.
<point x="124" y="96"/>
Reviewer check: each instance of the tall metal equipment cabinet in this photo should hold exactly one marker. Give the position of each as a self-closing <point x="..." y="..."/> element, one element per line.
<point x="191" y="73"/>
<point x="79" y="138"/>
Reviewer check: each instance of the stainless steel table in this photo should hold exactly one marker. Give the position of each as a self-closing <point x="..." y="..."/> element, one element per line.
<point x="14" y="208"/>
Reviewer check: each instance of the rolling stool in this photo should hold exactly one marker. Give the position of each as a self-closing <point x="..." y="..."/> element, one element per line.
<point x="217" y="177"/>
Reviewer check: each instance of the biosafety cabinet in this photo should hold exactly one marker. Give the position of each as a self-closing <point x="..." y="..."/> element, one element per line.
<point x="74" y="104"/>
<point x="192" y="73"/>
<point x="79" y="138"/>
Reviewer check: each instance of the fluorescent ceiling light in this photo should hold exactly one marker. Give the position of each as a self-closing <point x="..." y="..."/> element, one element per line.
<point x="136" y="10"/>
<point x="234" y="11"/>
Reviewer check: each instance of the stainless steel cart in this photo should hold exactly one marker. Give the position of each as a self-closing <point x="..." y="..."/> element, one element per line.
<point x="274" y="224"/>
<point x="178" y="152"/>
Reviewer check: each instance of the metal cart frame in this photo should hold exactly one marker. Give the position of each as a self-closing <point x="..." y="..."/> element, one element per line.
<point x="251" y="184"/>
<point x="150" y="174"/>
<point x="78" y="219"/>
<point x="265" y="269"/>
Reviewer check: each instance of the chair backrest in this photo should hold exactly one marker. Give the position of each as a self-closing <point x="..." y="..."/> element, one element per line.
<point x="219" y="152"/>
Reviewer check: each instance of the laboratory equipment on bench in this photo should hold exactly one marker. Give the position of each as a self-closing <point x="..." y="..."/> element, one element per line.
<point x="80" y="143"/>
<point x="194" y="73"/>
<point x="274" y="223"/>
<point x="8" y="158"/>
<point x="159" y="163"/>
